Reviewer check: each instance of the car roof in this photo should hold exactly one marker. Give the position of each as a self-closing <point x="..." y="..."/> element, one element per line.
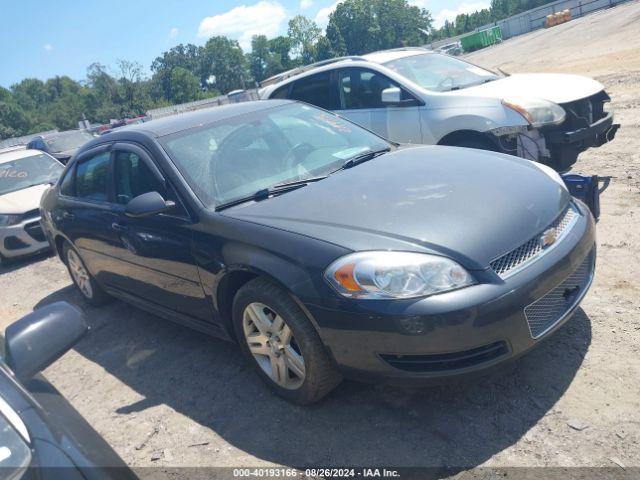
<point x="10" y="155"/>
<point x="385" y="56"/>
<point x="183" y="121"/>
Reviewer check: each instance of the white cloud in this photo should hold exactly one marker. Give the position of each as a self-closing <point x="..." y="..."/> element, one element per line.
<point x="173" y="33"/>
<point x="304" y="4"/>
<point x="322" y="17"/>
<point x="448" y="14"/>
<point x="263" y="18"/>
<point x="48" y="47"/>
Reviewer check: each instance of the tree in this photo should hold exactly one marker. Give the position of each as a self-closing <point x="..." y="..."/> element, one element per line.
<point x="223" y="58"/>
<point x="259" y="57"/>
<point x="281" y="48"/>
<point x="183" y="56"/>
<point x="185" y="86"/>
<point x="361" y="26"/>
<point x="304" y="34"/>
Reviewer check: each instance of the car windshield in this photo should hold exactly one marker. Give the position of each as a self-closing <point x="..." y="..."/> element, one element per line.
<point x="68" y="141"/>
<point x="237" y="157"/>
<point x="28" y="171"/>
<point x="440" y="73"/>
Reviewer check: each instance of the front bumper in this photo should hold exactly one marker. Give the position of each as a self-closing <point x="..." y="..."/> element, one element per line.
<point x="22" y="239"/>
<point x="463" y="331"/>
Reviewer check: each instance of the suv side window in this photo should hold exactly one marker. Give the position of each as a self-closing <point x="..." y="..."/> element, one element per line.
<point x="281" y="93"/>
<point x="316" y="90"/>
<point x="133" y="177"/>
<point x="360" y="88"/>
<point x="92" y="178"/>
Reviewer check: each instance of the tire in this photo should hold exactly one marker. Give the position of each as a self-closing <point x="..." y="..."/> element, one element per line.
<point x="91" y="292"/>
<point x="300" y="346"/>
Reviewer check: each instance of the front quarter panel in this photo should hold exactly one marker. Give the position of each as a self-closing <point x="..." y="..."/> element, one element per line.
<point x="224" y="245"/>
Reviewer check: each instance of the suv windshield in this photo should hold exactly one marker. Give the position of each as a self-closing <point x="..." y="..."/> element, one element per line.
<point x="28" y="171"/>
<point x="440" y="73"/>
<point x="68" y="141"/>
<point x="236" y="157"/>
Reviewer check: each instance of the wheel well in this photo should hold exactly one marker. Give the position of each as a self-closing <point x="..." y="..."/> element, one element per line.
<point x="231" y="283"/>
<point x="455" y="138"/>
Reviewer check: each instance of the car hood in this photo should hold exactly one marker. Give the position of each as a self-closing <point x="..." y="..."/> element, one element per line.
<point x="555" y="87"/>
<point x="469" y="204"/>
<point x="22" y="201"/>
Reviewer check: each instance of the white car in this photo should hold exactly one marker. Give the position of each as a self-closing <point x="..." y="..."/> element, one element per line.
<point x="412" y="95"/>
<point x="24" y="176"/>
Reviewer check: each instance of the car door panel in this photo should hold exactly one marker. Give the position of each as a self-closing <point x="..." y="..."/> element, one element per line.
<point x="360" y="91"/>
<point x="153" y="254"/>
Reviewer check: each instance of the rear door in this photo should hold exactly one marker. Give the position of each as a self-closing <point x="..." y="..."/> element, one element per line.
<point x="85" y="211"/>
<point x="360" y="100"/>
<point x="153" y="257"/>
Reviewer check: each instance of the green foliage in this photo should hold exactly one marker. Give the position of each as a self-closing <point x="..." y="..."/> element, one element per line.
<point x="223" y="61"/>
<point x="185" y="86"/>
<point x="361" y="26"/>
<point x="304" y="34"/>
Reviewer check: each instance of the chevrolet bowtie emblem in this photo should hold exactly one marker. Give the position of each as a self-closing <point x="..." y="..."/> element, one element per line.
<point x="548" y="237"/>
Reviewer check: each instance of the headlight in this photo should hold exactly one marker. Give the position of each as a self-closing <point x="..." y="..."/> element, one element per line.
<point x="385" y="275"/>
<point x="6" y="220"/>
<point x="536" y="111"/>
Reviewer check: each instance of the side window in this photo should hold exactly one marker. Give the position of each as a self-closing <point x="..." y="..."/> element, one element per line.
<point x="361" y="88"/>
<point x="132" y="177"/>
<point x="281" y="93"/>
<point x="66" y="186"/>
<point x="92" y="178"/>
<point x="315" y="90"/>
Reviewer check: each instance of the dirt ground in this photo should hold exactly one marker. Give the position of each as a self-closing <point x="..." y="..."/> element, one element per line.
<point x="163" y="395"/>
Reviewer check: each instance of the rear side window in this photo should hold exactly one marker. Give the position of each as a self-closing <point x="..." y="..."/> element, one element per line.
<point x="281" y="93"/>
<point x="133" y="177"/>
<point x="92" y="178"/>
<point x="315" y="90"/>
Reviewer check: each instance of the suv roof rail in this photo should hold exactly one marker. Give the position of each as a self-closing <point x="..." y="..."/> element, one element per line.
<point x="305" y="68"/>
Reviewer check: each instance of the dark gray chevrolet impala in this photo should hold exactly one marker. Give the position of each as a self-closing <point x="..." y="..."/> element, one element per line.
<point x="322" y="249"/>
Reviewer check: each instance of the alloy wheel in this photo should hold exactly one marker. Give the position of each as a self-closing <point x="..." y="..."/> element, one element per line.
<point x="79" y="274"/>
<point x="273" y="345"/>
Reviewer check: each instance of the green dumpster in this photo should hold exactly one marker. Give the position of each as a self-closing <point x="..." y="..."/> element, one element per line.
<point x="481" y="39"/>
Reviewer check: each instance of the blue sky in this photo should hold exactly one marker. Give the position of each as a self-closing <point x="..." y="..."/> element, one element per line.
<point x="42" y="39"/>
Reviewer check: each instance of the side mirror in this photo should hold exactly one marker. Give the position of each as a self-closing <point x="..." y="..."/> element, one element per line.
<point x="37" y="340"/>
<point x="147" y="204"/>
<point x="391" y="95"/>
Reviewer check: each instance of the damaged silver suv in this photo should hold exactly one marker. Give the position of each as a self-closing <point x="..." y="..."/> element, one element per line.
<point x="412" y="95"/>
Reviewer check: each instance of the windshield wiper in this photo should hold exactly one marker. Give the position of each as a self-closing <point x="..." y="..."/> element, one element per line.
<point x="362" y="157"/>
<point x="265" y="193"/>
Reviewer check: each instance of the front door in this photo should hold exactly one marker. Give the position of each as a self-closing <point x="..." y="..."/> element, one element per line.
<point x="360" y="95"/>
<point x="154" y="259"/>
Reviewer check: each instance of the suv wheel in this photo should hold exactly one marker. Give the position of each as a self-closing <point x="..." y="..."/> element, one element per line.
<point x="82" y="279"/>
<point x="278" y="339"/>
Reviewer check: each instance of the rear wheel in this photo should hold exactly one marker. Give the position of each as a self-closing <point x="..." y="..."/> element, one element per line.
<point x="82" y="279"/>
<point x="278" y="339"/>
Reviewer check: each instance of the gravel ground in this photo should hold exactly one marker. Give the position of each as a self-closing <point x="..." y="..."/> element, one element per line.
<point x="163" y="395"/>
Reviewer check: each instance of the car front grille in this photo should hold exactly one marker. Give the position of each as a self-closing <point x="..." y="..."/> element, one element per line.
<point x="447" y="361"/>
<point x="512" y="261"/>
<point x="584" y="112"/>
<point x="548" y="310"/>
<point x="31" y="214"/>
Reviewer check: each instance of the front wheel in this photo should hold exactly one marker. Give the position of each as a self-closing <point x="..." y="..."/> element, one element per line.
<point x="278" y="339"/>
<point x="82" y="279"/>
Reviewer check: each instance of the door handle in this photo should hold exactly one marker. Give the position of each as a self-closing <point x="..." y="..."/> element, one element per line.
<point x="118" y="227"/>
